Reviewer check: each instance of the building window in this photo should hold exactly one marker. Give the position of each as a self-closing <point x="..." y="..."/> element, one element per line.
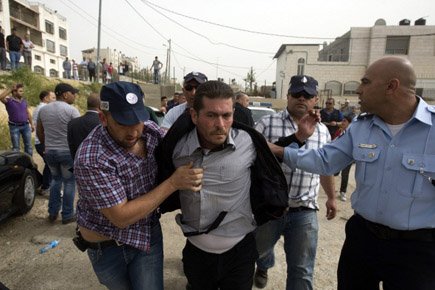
<point x="52" y="61"/>
<point x="334" y="87"/>
<point x="53" y="73"/>
<point x="397" y="45"/>
<point x="37" y="57"/>
<point x="63" y="50"/>
<point x="51" y="47"/>
<point x="49" y="27"/>
<point x="62" y="33"/>
<point x="301" y="66"/>
<point x="38" y="69"/>
<point x="350" y="88"/>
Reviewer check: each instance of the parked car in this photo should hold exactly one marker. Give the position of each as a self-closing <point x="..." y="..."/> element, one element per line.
<point x="19" y="180"/>
<point x="158" y="115"/>
<point x="260" y="112"/>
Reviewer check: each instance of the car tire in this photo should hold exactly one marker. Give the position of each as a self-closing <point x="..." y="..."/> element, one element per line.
<point x="26" y="193"/>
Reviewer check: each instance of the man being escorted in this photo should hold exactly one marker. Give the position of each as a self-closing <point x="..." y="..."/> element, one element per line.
<point x="391" y="236"/>
<point x="299" y="226"/>
<point x="218" y="221"/>
<point x="116" y="172"/>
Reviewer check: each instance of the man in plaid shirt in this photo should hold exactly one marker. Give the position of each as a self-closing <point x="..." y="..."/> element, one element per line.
<point x="116" y="172"/>
<point x="299" y="226"/>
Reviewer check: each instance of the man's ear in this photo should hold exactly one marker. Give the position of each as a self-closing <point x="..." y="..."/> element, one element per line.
<point x="103" y="118"/>
<point x="393" y="84"/>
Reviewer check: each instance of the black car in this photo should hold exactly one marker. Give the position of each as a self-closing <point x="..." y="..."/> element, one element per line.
<point x="19" y="180"/>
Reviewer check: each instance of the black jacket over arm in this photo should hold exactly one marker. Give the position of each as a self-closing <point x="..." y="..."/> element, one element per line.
<point x="269" y="190"/>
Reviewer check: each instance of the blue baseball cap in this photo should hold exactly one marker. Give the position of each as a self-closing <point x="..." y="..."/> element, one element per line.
<point x="301" y="83"/>
<point x="124" y="101"/>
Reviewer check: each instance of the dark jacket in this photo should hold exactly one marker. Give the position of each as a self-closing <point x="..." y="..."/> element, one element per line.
<point x="269" y="190"/>
<point x="243" y="115"/>
<point x="79" y="128"/>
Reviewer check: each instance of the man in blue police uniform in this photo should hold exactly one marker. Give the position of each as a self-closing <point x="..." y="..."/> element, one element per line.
<point x="391" y="236"/>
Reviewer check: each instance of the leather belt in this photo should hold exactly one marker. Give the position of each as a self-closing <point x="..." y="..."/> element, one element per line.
<point x="299" y="208"/>
<point x="17" y="124"/>
<point x="104" y="244"/>
<point x="386" y="233"/>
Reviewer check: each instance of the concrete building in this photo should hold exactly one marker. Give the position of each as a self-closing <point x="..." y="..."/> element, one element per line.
<point x="339" y="65"/>
<point x="113" y="56"/>
<point x="48" y="31"/>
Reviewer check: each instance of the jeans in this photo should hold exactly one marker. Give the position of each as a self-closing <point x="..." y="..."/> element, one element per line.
<point x="26" y="132"/>
<point x="3" y="58"/>
<point x="68" y="73"/>
<point x="60" y="163"/>
<point x="125" y="267"/>
<point x="300" y="231"/>
<point x="46" y="174"/>
<point x="15" y="59"/>
<point x="156" y="76"/>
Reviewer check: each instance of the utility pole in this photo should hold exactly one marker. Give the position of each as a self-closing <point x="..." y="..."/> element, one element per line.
<point x="169" y="62"/>
<point x="98" y="43"/>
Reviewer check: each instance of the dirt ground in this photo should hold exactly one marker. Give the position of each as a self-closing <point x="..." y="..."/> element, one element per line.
<point x="65" y="267"/>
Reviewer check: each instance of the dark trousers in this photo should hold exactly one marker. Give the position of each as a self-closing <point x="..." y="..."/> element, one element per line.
<point x="233" y="269"/>
<point x="46" y="174"/>
<point x="92" y="75"/>
<point x="345" y="178"/>
<point x="400" y="264"/>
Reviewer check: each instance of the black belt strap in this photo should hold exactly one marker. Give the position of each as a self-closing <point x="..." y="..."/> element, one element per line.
<point x="211" y="227"/>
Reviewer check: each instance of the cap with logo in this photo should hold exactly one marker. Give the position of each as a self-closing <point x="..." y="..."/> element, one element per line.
<point x="124" y="101"/>
<point x="197" y="76"/>
<point x="301" y="83"/>
<point x="63" y="88"/>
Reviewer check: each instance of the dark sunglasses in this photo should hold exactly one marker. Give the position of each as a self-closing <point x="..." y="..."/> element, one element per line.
<point x="189" y="87"/>
<point x="302" y="94"/>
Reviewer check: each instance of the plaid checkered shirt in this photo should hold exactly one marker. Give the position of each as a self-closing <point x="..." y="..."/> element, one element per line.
<point x="106" y="175"/>
<point x="304" y="186"/>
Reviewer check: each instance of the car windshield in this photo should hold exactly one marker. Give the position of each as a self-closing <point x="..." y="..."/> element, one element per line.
<point x="258" y="113"/>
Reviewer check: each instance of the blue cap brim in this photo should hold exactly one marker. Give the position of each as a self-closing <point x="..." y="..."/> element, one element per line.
<point x="131" y="117"/>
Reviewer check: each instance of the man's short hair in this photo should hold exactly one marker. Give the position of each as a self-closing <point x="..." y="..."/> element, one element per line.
<point x="163" y="97"/>
<point x="240" y="94"/>
<point x="211" y="90"/>
<point x="43" y="94"/>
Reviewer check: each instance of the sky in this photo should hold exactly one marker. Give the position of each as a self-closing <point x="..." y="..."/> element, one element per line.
<point x="201" y="39"/>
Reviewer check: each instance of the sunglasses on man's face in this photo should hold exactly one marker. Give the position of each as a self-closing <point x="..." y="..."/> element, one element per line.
<point x="189" y="87"/>
<point x="302" y="94"/>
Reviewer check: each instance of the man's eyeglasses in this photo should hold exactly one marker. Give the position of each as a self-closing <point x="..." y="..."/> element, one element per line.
<point x="189" y="87"/>
<point x="302" y="94"/>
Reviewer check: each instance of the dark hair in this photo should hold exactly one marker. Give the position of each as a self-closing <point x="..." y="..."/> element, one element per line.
<point x="211" y="90"/>
<point x="349" y="117"/>
<point x="43" y="94"/>
<point x="163" y="97"/>
<point x="17" y="86"/>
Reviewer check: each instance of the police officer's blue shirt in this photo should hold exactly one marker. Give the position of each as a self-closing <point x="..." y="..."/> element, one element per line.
<point x="392" y="186"/>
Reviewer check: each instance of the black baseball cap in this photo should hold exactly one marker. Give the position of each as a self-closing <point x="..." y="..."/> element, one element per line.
<point x="63" y="88"/>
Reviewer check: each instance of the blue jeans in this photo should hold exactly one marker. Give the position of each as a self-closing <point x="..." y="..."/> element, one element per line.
<point x="26" y="132"/>
<point x="125" y="267"/>
<point x="300" y="243"/>
<point x="60" y="163"/>
<point x="46" y="174"/>
<point x="156" y="76"/>
<point x="15" y="59"/>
